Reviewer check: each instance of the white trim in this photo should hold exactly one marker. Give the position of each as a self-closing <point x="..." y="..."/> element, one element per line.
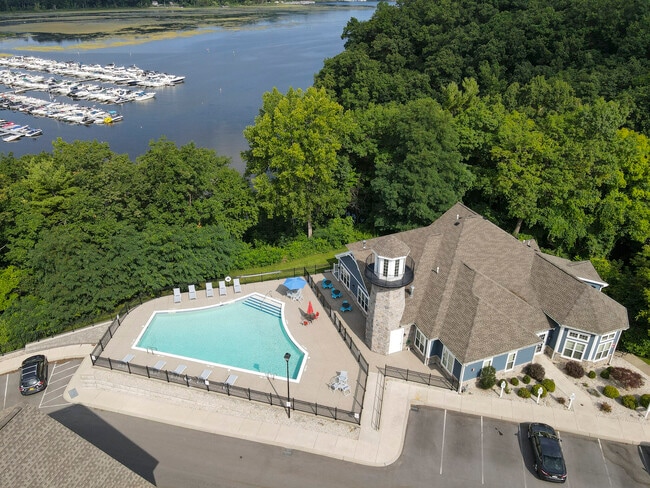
<point x="514" y="361"/>
<point x="450" y="357"/>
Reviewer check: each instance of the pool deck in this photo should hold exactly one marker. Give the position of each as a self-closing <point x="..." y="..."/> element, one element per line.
<point x="326" y="351"/>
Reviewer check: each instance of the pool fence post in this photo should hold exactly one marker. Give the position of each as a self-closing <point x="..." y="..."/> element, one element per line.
<point x="110" y="364"/>
<point x="167" y="375"/>
<point x="287" y="356"/>
<point x="147" y="368"/>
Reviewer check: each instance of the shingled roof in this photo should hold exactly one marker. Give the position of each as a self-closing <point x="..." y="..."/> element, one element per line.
<point x="482" y="292"/>
<point x="36" y="450"/>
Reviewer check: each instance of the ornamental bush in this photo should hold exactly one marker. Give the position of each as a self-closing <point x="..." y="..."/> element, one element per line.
<point x="549" y="384"/>
<point x="644" y="400"/>
<point x="514" y="381"/>
<point x="604" y="374"/>
<point x="574" y="369"/>
<point x="629" y="401"/>
<point x="523" y="392"/>
<point x="536" y="387"/>
<point x="535" y="371"/>
<point x="605" y="407"/>
<point x="591" y="374"/>
<point x="526" y="379"/>
<point x="611" y="392"/>
<point x="488" y="377"/>
<point x="626" y="377"/>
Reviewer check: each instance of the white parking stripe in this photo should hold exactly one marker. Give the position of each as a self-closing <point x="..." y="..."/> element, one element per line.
<point x="521" y="448"/>
<point x="4" y="402"/>
<point x="482" y="456"/>
<point x="605" y="462"/>
<point x="442" y="449"/>
<point x="48" y="384"/>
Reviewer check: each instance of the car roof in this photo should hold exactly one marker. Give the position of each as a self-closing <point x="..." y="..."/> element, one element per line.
<point x="34" y="359"/>
<point x="537" y="428"/>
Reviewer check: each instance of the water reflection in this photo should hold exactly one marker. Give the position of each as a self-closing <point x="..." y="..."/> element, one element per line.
<point x="227" y="71"/>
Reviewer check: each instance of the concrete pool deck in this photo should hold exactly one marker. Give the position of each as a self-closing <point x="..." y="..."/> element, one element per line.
<point x="326" y="351"/>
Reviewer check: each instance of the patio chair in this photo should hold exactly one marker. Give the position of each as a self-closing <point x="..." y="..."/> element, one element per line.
<point x="222" y="288"/>
<point x="192" y="292"/>
<point x="336" y="294"/>
<point x="236" y="285"/>
<point x="327" y="283"/>
<point x="209" y="291"/>
<point x="346" y="307"/>
<point x="339" y="382"/>
<point x="297" y="296"/>
<point x="177" y="295"/>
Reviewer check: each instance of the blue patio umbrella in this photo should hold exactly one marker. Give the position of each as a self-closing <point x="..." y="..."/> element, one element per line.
<point x="295" y="283"/>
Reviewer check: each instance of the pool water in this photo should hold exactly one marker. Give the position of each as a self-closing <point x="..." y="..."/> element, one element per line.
<point x="248" y="335"/>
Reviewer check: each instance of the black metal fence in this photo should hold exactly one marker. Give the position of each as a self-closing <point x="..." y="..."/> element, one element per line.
<point x="352" y="416"/>
<point x="428" y="379"/>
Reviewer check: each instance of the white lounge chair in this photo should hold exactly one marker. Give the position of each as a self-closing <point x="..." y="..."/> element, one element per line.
<point x="222" y="288"/>
<point x="177" y="295"/>
<point x="159" y="365"/>
<point x="128" y="358"/>
<point x="297" y="296"/>
<point x="192" y="292"/>
<point x="236" y="285"/>
<point x="180" y="369"/>
<point x="205" y="374"/>
<point x="230" y="380"/>
<point x="209" y="292"/>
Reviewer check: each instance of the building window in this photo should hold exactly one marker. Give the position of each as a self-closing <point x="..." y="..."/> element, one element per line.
<point x="608" y="337"/>
<point x="397" y="268"/>
<point x="420" y="341"/>
<point x="510" y="362"/>
<point x="345" y="278"/>
<point x="578" y="335"/>
<point x="542" y="338"/>
<point x="487" y="362"/>
<point x="574" y="349"/>
<point x="385" y="268"/>
<point x="362" y="299"/>
<point x="603" y="350"/>
<point x="447" y="360"/>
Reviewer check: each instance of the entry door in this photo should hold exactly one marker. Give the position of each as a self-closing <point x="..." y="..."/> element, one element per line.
<point x="396" y="340"/>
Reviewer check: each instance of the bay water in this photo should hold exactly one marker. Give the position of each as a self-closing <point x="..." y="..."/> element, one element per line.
<point x="227" y="71"/>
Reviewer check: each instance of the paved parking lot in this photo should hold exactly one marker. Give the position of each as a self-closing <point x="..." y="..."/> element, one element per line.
<point x="51" y="399"/>
<point x="464" y="450"/>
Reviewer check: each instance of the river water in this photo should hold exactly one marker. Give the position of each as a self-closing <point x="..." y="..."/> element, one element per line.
<point x="227" y="71"/>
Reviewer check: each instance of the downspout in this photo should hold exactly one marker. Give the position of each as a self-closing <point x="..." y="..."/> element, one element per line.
<point x="460" y="379"/>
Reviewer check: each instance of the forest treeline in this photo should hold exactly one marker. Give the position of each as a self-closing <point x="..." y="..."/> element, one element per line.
<point x="533" y="113"/>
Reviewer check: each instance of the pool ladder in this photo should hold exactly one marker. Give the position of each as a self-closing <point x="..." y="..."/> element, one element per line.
<point x="151" y="349"/>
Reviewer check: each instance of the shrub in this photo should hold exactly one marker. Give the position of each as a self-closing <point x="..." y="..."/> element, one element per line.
<point x="507" y="390"/>
<point x="605" y="373"/>
<point x="561" y="400"/>
<point x="533" y="390"/>
<point x="526" y="379"/>
<point x="611" y="392"/>
<point x="574" y="369"/>
<point x="523" y="392"/>
<point x="535" y="371"/>
<point x="593" y="391"/>
<point x="629" y="401"/>
<point x="488" y="377"/>
<point x="626" y="377"/>
<point x="605" y="407"/>
<point x="549" y="384"/>
<point x="644" y="400"/>
<point x="591" y="374"/>
<point x="514" y="381"/>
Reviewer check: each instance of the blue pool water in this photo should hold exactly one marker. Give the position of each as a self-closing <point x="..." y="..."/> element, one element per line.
<point x="248" y="335"/>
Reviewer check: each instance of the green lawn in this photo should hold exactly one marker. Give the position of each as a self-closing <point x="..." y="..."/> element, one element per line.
<point x="289" y="268"/>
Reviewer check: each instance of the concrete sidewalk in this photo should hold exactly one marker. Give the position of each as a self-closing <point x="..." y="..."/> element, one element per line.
<point x="220" y="414"/>
<point x="229" y="416"/>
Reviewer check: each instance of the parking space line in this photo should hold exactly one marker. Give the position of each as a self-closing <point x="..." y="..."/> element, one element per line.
<point x="56" y="389"/>
<point x="605" y="463"/>
<point x="442" y="449"/>
<point x="56" y="405"/>
<point x="4" y="401"/>
<point x="482" y="456"/>
<point x="48" y="385"/>
<point x="72" y="366"/>
<point x="521" y="449"/>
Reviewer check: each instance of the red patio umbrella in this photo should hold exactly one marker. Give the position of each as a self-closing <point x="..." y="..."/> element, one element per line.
<point x="310" y="309"/>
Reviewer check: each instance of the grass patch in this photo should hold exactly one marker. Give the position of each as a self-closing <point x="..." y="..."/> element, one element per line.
<point x="297" y="264"/>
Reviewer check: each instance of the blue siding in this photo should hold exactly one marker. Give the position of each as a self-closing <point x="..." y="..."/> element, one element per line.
<point x="525" y="355"/>
<point x="356" y="281"/>
<point x="472" y="370"/>
<point x="436" y="348"/>
<point x="457" y="368"/>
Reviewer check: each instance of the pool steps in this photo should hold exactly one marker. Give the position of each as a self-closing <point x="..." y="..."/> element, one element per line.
<point x="265" y="306"/>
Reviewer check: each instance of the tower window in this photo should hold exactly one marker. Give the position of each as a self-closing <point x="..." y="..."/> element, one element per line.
<point x="397" y="268"/>
<point x="385" y="270"/>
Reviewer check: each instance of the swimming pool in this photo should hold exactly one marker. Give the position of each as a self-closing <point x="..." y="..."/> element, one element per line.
<point x="247" y="334"/>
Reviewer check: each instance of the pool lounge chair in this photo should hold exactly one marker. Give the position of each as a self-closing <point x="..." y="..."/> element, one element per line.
<point x="177" y="295"/>
<point x="230" y="381"/>
<point x="209" y="291"/>
<point x="205" y="374"/>
<point x="192" y="292"/>
<point x="159" y="365"/>
<point x="128" y="358"/>
<point x="236" y="285"/>
<point x="180" y="369"/>
<point x="222" y="288"/>
<point x="297" y="295"/>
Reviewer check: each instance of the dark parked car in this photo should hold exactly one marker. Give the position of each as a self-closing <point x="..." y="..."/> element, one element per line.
<point x="33" y="375"/>
<point x="549" y="460"/>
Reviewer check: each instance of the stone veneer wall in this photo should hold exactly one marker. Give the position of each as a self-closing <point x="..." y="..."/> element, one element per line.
<point x="385" y="310"/>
